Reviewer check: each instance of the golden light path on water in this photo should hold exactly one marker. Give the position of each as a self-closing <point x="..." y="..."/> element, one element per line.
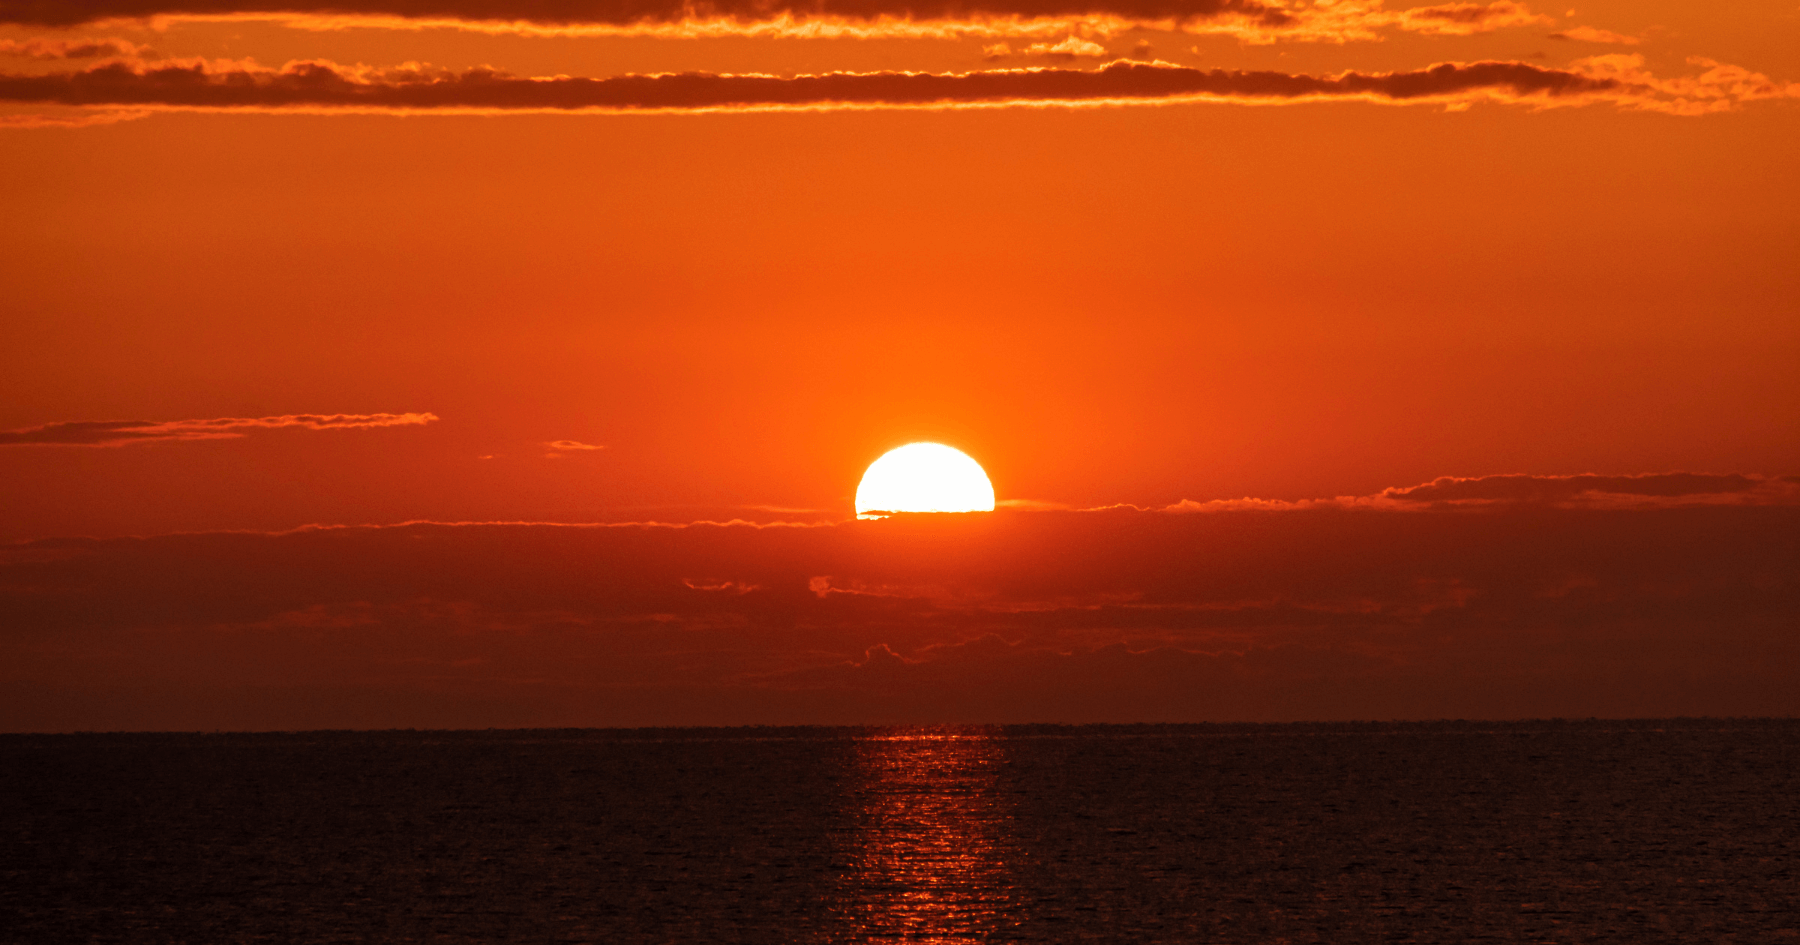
<point x="931" y="859"/>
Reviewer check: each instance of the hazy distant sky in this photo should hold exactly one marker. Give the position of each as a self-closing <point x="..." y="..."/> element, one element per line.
<point x="1241" y="272"/>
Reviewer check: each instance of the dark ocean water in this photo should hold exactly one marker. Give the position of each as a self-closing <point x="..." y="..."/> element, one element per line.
<point x="1675" y="831"/>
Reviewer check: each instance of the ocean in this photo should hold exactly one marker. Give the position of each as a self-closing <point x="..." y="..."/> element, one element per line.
<point x="1556" y="831"/>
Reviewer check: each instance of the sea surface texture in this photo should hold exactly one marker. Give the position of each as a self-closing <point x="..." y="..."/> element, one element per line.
<point x="1675" y="831"/>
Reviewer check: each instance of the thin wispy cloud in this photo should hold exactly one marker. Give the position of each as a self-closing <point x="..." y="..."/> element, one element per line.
<point x="1070" y="48"/>
<point x="1721" y="87"/>
<point x="1463" y="19"/>
<point x="1556" y="489"/>
<point x="124" y="432"/>
<point x="1586" y="491"/>
<point x="71" y="119"/>
<point x="561" y="448"/>
<point x="54" y="49"/>
<point x="1589" y="34"/>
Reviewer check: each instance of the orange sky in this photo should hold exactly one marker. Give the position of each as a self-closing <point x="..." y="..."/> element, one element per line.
<point x="1209" y="251"/>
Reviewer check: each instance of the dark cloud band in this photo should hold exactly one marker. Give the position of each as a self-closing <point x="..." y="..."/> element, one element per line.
<point x="631" y="12"/>
<point x="1507" y="610"/>
<point x="317" y="85"/>
<point x="71" y="48"/>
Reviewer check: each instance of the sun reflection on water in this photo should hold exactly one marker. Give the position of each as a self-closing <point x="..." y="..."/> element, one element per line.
<point x="931" y="856"/>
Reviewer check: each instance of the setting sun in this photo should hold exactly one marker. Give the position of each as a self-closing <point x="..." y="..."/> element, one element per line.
<point x="924" y="477"/>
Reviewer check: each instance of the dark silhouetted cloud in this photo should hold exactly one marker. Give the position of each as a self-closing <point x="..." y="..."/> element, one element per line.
<point x="320" y="85"/>
<point x="121" y="432"/>
<point x="1256" y="21"/>
<point x="622" y="13"/>
<point x="317" y="86"/>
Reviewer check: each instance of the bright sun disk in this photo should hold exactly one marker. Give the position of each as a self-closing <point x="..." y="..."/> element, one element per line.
<point x="924" y="477"/>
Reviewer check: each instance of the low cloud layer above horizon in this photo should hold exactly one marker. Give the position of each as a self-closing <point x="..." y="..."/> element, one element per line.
<point x="1520" y="608"/>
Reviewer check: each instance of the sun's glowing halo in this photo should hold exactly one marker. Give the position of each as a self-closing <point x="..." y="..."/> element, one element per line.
<point x="924" y="477"/>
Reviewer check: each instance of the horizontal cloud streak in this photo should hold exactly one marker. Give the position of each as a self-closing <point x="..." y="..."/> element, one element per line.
<point x="1069" y="48"/>
<point x="1557" y="489"/>
<point x="316" y="85"/>
<point x="1589" y="34"/>
<point x="52" y="49"/>
<point x="1461" y="19"/>
<point x="622" y="15"/>
<point x="78" y="119"/>
<point x="122" y="432"/>
<point x="1250" y="20"/>
<point x="1650" y="490"/>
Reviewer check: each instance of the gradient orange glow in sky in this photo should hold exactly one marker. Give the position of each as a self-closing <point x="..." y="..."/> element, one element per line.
<point x="276" y="265"/>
